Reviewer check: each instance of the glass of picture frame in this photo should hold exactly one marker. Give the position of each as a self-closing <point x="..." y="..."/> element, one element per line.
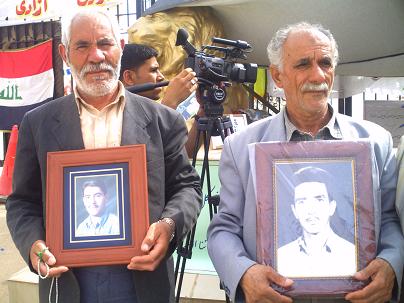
<point x="315" y="214"/>
<point x="96" y="205"/>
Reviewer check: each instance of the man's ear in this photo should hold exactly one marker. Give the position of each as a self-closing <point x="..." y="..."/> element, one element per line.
<point x="63" y="53"/>
<point x="276" y="75"/>
<point x="122" y="43"/>
<point x="128" y="77"/>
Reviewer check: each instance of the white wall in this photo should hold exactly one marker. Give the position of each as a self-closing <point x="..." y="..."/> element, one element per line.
<point x="357" y="106"/>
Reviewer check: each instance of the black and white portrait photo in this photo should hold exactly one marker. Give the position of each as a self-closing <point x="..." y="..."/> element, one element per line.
<point x="316" y="230"/>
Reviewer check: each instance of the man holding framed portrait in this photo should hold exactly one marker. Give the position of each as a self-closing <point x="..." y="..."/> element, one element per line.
<point x="303" y="58"/>
<point x="102" y="118"/>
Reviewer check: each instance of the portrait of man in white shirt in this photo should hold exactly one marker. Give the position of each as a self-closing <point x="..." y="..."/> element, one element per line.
<point x="319" y="251"/>
<point x="100" y="220"/>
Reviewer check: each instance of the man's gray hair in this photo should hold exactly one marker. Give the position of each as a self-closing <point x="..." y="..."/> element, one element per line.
<point x="68" y="20"/>
<point x="275" y="46"/>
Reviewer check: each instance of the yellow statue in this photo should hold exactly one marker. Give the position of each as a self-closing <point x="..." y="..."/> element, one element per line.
<point x="159" y="31"/>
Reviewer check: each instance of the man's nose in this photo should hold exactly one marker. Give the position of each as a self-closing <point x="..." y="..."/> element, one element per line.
<point x="317" y="74"/>
<point x="160" y="76"/>
<point x="96" y="54"/>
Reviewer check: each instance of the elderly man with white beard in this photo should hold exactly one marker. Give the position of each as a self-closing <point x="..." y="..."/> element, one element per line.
<point x="101" y="114"/>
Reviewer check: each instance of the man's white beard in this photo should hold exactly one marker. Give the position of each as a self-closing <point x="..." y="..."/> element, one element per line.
<point x="97" y="88"/>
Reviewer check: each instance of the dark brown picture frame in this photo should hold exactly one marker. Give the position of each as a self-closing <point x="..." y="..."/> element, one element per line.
<point x="270" y="157"/>
<point x="131" y="161"/>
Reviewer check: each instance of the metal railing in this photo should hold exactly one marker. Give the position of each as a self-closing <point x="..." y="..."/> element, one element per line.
<point x="130" y="10"/>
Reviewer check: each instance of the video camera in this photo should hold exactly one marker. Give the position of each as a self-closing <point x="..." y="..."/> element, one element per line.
<point x="215" y="73"/>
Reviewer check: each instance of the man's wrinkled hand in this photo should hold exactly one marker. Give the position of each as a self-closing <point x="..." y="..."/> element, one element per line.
<point x="379" y="290"/>
<point x="154" y="247"/>
<point x="256" y="283"/>
<point x="39" y="248"/>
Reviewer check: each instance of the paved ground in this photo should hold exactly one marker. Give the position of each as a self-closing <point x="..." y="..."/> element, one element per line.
<point x="10" y="259"/>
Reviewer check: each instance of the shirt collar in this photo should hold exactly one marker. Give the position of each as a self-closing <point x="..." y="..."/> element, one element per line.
<point x="120" y="98"/>
<point x="100" y="223"/>
<point x="332" y="126"/>
<point x="328" y="247"/>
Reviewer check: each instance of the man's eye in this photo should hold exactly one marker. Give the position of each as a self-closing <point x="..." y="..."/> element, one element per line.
<point x="326" y="63"/>
<point x="82" y="47"/>
<point x="106" y="44"/>
<point x="302" y="65"/>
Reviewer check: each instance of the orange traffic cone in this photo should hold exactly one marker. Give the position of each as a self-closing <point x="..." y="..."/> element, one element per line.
<point x="8" y="168"/>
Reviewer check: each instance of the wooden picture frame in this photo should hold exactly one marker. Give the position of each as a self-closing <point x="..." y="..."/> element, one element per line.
<point x="282" y="229"/>
<point x="71" y="234"/>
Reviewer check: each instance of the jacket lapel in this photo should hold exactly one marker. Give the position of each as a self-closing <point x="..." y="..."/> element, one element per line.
<point x="66" y="126"/>
<point x="135" y="121"/>
<point x="276" y="128"/>
<point x="348" y="132"/>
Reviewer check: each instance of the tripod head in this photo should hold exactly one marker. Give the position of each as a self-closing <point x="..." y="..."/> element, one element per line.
<point x="212" y="96"/>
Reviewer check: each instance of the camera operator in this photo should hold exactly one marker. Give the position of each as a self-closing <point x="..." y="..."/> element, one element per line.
<point x="139" y="65"/>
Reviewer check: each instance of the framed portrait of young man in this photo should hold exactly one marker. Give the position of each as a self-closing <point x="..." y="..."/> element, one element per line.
<point x="315" y="220"/>
<point x="96" y="205"/>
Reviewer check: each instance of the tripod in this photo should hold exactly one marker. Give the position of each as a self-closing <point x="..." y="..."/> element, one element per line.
<point x="211" y="125"/>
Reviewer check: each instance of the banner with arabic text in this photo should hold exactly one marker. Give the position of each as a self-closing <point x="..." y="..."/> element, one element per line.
<point x="14" y="12"/>
<point x="26" y="81"/>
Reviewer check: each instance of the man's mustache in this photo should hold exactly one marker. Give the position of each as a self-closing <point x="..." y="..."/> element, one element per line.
<point x="96" y="67"/>
<point x="309" y="87"/>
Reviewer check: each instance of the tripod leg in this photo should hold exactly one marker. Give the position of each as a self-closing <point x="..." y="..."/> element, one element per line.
<point x="182" y="253"/>
<point x="212" y="207"/>
<point x="219" y="126"/>
<point x="222" y="128"/>
<point x="209" y="131"/>
<point x="181" y="250"/>
<point x="195" y="152"/>
<point x="187" y="254"/>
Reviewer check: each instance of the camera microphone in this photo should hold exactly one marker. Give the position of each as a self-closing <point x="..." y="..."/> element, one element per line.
<point x="182" y="39"/>
<point x="239" y="43"/>
<point x="146" y="86"/>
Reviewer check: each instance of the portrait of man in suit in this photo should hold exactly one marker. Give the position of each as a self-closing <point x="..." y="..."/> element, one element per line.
<point x="318" y="251"/>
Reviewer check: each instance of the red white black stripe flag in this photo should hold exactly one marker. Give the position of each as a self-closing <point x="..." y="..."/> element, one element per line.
<point x="26" y="81"/>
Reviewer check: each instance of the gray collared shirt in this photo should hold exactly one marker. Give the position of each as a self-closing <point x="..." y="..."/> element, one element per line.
<point x="331" y="131"/>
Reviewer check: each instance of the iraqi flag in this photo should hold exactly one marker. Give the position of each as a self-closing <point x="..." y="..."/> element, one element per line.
<point x="26" y="81"/>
